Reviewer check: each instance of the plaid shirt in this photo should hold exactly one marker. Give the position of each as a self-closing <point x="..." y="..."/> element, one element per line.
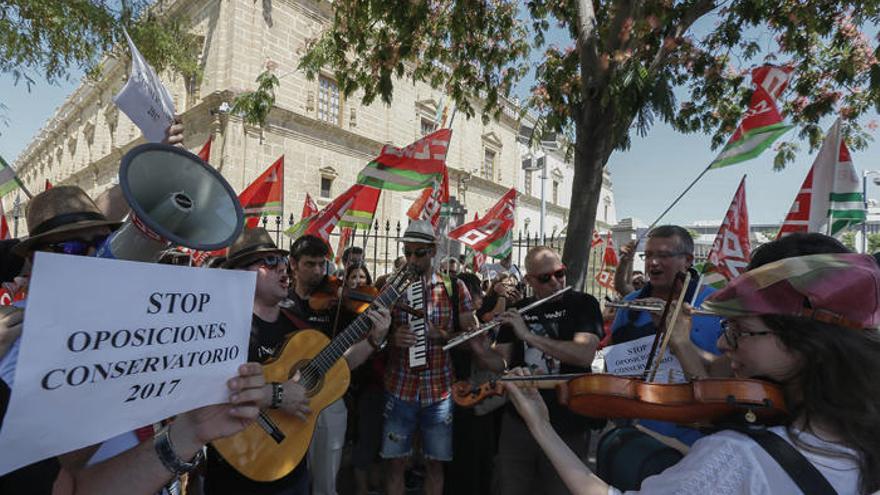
<point x="433" y="382"/>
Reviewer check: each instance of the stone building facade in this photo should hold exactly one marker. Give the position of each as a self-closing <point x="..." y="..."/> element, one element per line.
<point x="326" y="139"/>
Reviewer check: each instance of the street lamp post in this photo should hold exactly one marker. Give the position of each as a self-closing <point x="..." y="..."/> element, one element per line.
<point x="865" y="175"/>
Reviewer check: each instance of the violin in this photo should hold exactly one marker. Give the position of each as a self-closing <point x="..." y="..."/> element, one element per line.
<point x="700" y="402"/>
<point x="327" y="295"/>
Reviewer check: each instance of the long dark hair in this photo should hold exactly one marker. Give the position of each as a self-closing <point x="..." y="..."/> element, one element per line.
<point x="839" y="379"/>
<point x="838" y="384"/>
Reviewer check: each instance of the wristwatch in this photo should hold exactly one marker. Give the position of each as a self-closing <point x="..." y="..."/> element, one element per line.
<point x="277" y="395"/>
<point x="169" y="458"/>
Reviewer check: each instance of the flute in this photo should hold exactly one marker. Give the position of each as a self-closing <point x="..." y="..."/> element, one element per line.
<point x="489" y="326"/>
<point x="650" y="307"/>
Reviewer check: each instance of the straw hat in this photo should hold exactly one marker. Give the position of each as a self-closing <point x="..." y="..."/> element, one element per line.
<point x="59" y="214"/>
<point x="250" y="246"/>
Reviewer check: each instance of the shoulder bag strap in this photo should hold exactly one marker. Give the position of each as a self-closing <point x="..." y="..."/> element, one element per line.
<point x="802" y="472"/>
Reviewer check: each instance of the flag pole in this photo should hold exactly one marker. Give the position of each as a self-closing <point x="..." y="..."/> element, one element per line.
<point x="675" y="202"/>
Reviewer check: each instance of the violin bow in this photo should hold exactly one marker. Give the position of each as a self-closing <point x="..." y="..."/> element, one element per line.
<point x="668" y="332"/>
<point x="661" y="328"/>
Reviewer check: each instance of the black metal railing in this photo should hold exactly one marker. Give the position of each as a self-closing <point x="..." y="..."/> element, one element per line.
<point x="381" y="248"/>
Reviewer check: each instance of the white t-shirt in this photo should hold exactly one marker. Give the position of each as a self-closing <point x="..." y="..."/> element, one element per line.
<point x="729" y="463"/>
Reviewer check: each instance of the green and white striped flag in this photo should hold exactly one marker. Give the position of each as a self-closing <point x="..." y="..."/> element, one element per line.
<point x="846" y="203"/>
<point x="8" y="180"/>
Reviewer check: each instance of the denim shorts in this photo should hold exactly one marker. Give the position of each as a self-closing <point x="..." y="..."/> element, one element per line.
<point x="403" y="419"/>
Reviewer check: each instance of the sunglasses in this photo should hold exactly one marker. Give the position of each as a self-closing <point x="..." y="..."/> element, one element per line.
<point x="545" y="277"/>
<point x="77" y="247"/>
<point x="273" y="261"/>
<point x="418" y="253"/>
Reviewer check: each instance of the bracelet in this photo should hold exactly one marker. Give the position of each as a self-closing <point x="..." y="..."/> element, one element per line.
<point x="169" y="458"/>
<point x="277" y="395"/>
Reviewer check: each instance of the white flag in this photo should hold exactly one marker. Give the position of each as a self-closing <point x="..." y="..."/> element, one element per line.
<point x="144" y="99"/>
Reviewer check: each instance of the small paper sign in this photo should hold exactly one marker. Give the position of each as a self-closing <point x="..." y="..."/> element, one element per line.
<point x="144" y="99"/>
<point x="629" y="359"/>
<point x="109" y="346"/>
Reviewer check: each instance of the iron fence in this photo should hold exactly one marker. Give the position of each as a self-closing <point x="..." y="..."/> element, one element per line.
<point x="381" y="248"/>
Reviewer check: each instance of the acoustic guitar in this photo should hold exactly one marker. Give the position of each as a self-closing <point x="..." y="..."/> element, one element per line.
<point x="276" y="442"/>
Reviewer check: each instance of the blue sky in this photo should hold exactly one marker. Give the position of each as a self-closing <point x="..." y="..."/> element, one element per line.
<point x="646" y="177"/>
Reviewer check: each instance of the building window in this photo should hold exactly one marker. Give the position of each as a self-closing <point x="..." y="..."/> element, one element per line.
<point x="428" y="126"/>
<point x="328" y="100"/>
<point x="488" y="171"/>
<point x="528" y="184"/>
<point x="555" y="192"/>
<point x="326" y="187"/>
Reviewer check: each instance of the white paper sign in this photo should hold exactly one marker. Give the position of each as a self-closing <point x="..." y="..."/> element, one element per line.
<point x="109" y="346"/>
<point x="144" y="99"/>
<point x="629" y="358"/>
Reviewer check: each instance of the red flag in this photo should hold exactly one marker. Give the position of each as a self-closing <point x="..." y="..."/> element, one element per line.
<point x="479" y="258"/>
<point x="597" y="239"/>
<point x="361" y="212"/>
<point x="48" y="185"/>
<point x="605" y="277"/>
<point x="772" y="78"/>
<point x="610" y="258"/>
<point x="205" y="152"/>
<point x="427" y="206"/>
<point x="731" y="250"/>
<point x="264" y="195"/>
<point x="798" y="218"/>
<point x="309" y="207"/>
<point x="489" y="234"/>
<point x="321" y="224"/>
<point x="344" y="237"/>
<point x="4" y="226"/>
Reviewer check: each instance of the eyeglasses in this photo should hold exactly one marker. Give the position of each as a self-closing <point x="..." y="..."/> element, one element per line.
<point x="418" y="253"/>
<point x="77" y="247"/>
<point x="661" y="255"/>
<point x="545" y="277"/>
<point x="733" y="332"/>
<point x="273" y="261"/>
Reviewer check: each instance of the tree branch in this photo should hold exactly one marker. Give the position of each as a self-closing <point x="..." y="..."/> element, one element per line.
<point x="694" y="13"/>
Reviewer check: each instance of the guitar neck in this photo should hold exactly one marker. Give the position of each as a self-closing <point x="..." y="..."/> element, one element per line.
<point x="353" y="333"/>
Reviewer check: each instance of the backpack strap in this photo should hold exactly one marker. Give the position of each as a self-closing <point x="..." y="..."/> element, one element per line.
<point x="801" y="471"/>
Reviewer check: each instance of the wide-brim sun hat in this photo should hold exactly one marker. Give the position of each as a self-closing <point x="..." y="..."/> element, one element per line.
<point x="250" y="246"/>
<point x="57" y="214"/>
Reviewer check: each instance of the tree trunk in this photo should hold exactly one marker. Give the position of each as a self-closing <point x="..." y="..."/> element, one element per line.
<point x="592" y="150"/>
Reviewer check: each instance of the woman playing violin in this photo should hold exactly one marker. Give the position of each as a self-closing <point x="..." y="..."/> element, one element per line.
<point x="808" y="323"/>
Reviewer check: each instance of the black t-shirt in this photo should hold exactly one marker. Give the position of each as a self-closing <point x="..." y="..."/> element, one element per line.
<point x="317" y="320"/>
<point x="220" y="477"/>
<point x="10" y="264"/>
<point x="574" y="312"/>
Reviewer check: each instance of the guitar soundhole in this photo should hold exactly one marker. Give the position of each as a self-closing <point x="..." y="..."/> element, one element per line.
<point x="310" y="378"/>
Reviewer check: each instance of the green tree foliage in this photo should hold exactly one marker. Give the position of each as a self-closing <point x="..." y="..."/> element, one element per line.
<point x="45" y="39"/>
<point x="619" y="74"/>
<point x="254" y="106"/>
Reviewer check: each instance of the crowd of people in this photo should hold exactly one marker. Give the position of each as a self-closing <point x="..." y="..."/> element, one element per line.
<point x="804" y="316"/>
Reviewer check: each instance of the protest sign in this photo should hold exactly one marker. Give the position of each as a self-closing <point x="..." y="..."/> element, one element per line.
<point x="109" y="346"/>
<point x="144" y="99"/>
<point x="629" y="358"/>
